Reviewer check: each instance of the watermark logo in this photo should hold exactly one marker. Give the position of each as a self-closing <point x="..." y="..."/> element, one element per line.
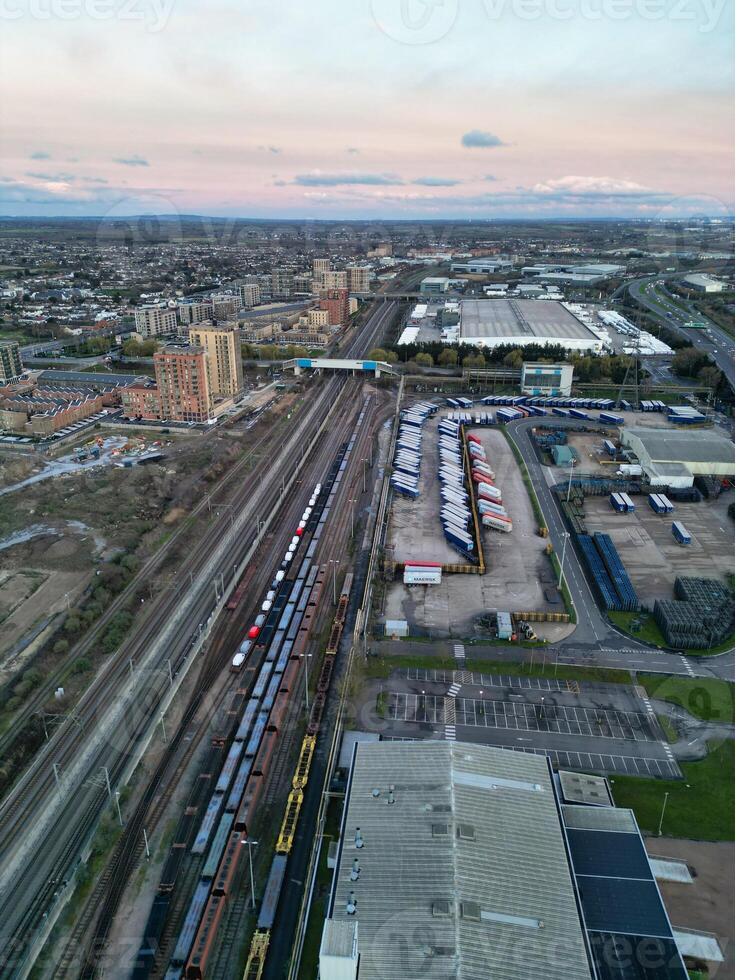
<point x="153" y="15"/>
<point x="415" y="21"/>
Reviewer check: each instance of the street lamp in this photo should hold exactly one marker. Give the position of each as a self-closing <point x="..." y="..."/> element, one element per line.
<point x="563" y="556"/>
<point x="571" y="473"/>
<point x="352" y="501"/>
<point x="663" y="810"/>
<point x="306" y="657"/>
<point x="334" y="563"/>
<point x="251" y="844"/>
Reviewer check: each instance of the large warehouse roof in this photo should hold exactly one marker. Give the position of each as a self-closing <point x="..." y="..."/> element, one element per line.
<point x="495" y="321"/>
<point x="703" y="446"/>
<point x="465" y="873"/>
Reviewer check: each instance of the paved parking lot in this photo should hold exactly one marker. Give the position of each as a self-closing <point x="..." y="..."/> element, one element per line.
<point x="605" y="728"/>
<point x="524" y="716"/>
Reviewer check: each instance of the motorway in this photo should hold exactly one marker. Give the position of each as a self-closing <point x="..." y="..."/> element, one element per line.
<point x="50" y="814"/>
<point x="675" y="313"/>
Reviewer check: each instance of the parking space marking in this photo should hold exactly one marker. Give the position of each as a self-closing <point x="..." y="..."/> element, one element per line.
<point x="561" y="719"/>
<point x="473" y="679"/>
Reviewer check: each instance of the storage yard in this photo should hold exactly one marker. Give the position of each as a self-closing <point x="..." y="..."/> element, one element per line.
<point x="652" y="556"/>
<point x="518" y="573"/>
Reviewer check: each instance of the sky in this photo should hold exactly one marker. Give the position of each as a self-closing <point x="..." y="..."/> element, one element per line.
<point x="368" y="109"/>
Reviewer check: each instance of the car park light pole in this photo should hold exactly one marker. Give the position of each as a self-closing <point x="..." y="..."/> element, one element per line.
<point x="563" y="556"/>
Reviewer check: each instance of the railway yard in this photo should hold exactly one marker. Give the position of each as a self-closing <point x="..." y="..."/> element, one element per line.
<point x="358" y="562"/>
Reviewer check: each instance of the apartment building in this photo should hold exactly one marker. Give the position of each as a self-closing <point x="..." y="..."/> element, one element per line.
<point x="335" y="279"/>
<point x="155" y="321"/>
<point x="11" y="365"/>
<point x="181" y="380"/>
<point x="337" y="304"/>
<point x="249" y="294"/>
<point x="224" y="359"/>
<point x="358" y="278"/>
<point x="195" y="311"/>
<point x="281" y="284"/>
<point x="225" y="305"/>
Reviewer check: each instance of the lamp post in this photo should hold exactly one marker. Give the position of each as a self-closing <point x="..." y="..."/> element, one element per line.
<point x="334" y="563"/>
<point x="563" y="556"/>
<point x="663" y="810"/>
<point x="251" y="844"/>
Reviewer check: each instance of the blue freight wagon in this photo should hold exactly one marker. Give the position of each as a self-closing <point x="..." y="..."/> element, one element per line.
<point x="680" y="533"/>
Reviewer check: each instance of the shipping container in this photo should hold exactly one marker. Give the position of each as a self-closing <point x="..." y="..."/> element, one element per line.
<point x="654" y="502"/>
<point x="609" y="419"/>
<point x="422" y="575"/>
<point x="610" y="448"/>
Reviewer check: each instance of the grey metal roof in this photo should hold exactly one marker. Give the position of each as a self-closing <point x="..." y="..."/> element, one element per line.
<point x="465" y="874"/>
<point x="579" y="787"/>
<point x="498" y="318"/>
<point x="675" y="445"/>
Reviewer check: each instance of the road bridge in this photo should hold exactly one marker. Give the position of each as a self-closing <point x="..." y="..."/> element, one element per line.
<point x="299" y="364"/>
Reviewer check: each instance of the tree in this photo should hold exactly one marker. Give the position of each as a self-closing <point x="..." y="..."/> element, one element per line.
<point x="424" y="360"/>
<point x="378" y="354"/>
<point x="391" y="357"/>
<point x="448" y="357"/>
<point x="514" y="359"/>
<point x="688" y="362"/>
<point x="474" y="360"/>
<point x="710" y="376"/>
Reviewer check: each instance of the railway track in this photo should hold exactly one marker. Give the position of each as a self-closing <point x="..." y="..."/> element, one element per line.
<point x="57" y="791"/>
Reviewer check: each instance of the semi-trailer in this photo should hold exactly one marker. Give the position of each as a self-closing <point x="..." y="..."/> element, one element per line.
<point x="617" y="503"/>
<point x="610" y="419"/>
<point x="667" y="503"/>
<point x="485" y="507"/>
<point x="680" y="533"/>
<point x="576" y="413"/>
<point x="654" y="502"/>
<point x="629" y="505"/>
<point x="497" y="522"/>
<point x="610" y="447"/>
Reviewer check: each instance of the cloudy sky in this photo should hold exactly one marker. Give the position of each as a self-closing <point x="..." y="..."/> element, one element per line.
<point x="367" y="108"/>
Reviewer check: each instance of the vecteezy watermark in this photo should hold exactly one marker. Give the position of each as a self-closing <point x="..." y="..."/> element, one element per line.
<point x="704" y="13"/>
<point x="426" y="21"/>
<point x="153" y="14"/>
<point x="415" y="21"/>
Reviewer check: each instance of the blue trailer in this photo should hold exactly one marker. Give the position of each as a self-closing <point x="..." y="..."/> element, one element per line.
<point x="680" y="533"/>
<point x="617" y="503"/>
<point x="611" y="419"/>
<point x="577" y="414"/>
<point x="610" y="448"/>
<point x="654" y="502"/>
<point x="666" y="503"/>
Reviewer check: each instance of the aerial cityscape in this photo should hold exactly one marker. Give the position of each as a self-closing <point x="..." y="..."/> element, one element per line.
<point x="367" y="490"/>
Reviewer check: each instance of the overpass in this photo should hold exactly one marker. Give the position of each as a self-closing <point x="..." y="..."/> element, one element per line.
<point x="299" y="364"/>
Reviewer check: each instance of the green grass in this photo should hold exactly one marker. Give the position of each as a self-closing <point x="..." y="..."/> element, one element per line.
<point x="700" y="806"/>
<point x="668" y="729"/>
<point x="313" y="936"/>
<point x="649" y="631"/>
<point x="384" y="666"/>
<point x="707" y="698"/>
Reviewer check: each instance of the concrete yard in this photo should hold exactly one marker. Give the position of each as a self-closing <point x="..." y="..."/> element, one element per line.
<point x="518" y="570"/>
<point x="651" y="554"/>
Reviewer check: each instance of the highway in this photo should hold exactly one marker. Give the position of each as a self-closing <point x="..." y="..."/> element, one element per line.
<point x="675" y="312"/>
<point x="50" y="814"/>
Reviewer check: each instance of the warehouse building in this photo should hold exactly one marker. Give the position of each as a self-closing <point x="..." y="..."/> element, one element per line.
<point x="546" y="379"/>
<point x="704" y="284"/>
<point x="465" y="860"/>
<point x="675" y="456"/>
<point x="520" y="322"/>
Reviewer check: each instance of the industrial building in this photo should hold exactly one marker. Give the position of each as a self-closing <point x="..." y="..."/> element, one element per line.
<point x="704" y="284"/>
<point x="582" y="275"/>
<point x="520" y="322"/>
<point x="675" y="456"/>
<point x="481" y="267"/>
<point x="546" y="379"/>
<point x="465" y="860"/>
<point x="434" y="285"/>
